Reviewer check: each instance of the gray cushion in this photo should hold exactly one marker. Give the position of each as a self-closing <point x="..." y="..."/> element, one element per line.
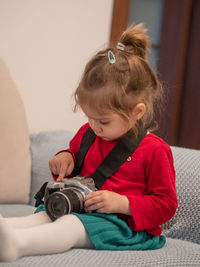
<point x="186" y="222"/>
<point x="15" y="210"/>
<point x="174" y="253"/>
<point x="45" y="145"/>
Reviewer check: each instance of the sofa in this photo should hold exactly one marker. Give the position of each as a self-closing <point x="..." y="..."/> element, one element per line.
<point x="24" y="168"/>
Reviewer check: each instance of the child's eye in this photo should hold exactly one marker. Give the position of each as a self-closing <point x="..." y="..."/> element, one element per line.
<point x="104" y="122"/>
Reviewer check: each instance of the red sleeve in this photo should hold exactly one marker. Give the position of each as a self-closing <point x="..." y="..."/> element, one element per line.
<point x="160" y="202"/>
<point x="74" y="144"/>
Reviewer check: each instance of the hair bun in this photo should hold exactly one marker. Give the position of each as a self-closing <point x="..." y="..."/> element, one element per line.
<point x="136" y="40"/>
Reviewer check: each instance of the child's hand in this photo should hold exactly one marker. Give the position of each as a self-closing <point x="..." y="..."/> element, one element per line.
<point x="62" y="165"/>
<point x="104" y="201"/>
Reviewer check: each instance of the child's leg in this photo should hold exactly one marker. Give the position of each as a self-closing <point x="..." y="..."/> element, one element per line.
<point x="59" y="236"/>
<point x="28" y="221"/>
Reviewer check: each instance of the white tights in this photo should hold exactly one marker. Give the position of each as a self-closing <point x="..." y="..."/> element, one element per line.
<point x="36" y="234"/>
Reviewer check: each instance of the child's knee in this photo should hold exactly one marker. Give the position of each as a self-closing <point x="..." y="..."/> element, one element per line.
<point x="42" y="215"/>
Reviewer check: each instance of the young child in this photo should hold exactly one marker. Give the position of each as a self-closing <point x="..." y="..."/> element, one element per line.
<point x="118" y="92"/>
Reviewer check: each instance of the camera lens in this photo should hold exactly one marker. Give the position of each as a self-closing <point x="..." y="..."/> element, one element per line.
<point x="61" y="203"/>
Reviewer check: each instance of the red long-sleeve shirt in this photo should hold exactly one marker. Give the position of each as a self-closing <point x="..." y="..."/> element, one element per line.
<point x="147" y="180"/>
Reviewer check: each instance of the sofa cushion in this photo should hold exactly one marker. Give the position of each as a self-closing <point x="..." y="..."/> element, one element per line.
<point x="16" y="210"/>
<point x="186" y="222"/>
<point x="14" y="143"/>
<point x="45" y="145"/>
<point x="174" y="253"/>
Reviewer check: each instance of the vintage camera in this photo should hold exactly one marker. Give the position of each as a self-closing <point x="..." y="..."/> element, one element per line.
<point x="65" y="197"/>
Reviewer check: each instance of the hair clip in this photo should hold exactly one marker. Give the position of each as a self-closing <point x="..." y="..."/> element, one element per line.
<point x="111" y="57"/>
<point x="120" y="46"/>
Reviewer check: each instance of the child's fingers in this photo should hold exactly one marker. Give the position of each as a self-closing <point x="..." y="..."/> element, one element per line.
<point x="93" y="194"/>
<point x="53" y="166"/>
<point x="95" y="206"/>
<point x="70" y="168"/>
<point x="62" y="172"/>
<point x="53" y="169"/>
<point x="65" y="170"/>
<point x="92" y="200"/>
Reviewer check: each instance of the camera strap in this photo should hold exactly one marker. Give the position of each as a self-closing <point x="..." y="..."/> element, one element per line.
<point x="40" y="194"/>
<point x="115" y="158"/>
<point x="86" y="143"/>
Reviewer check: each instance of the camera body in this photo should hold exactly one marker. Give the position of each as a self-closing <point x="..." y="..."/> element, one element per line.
<point x="65" y="197"/>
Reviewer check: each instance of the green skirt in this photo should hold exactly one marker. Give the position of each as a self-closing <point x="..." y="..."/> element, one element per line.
<point x="108" y="232"/>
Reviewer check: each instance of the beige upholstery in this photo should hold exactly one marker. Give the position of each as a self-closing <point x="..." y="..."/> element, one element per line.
<point x="14" y="143"/>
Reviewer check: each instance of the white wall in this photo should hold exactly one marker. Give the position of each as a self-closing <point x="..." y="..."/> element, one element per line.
<point x="46" y="44"/>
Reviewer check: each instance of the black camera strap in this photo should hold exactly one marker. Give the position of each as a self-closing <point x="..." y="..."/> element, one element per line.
<point x="40" y="194"/>
<point x="115" y="158"/>
<point x="86" y="143"/>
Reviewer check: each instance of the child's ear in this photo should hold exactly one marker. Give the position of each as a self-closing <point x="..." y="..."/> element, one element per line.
<point x="139" y="111"/>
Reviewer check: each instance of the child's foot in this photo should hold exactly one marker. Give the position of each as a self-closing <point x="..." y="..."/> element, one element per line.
<point x="8" y="244"/>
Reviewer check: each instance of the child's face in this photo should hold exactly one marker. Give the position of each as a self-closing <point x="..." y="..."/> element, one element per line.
<point x="109" y="126"/>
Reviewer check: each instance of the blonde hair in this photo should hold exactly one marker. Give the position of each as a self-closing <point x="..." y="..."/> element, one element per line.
<point x="120" y="86"/>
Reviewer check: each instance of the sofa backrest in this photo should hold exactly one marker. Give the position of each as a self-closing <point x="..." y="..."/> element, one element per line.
<point x="45" y="145"/>
<point x="186" y="222"/>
